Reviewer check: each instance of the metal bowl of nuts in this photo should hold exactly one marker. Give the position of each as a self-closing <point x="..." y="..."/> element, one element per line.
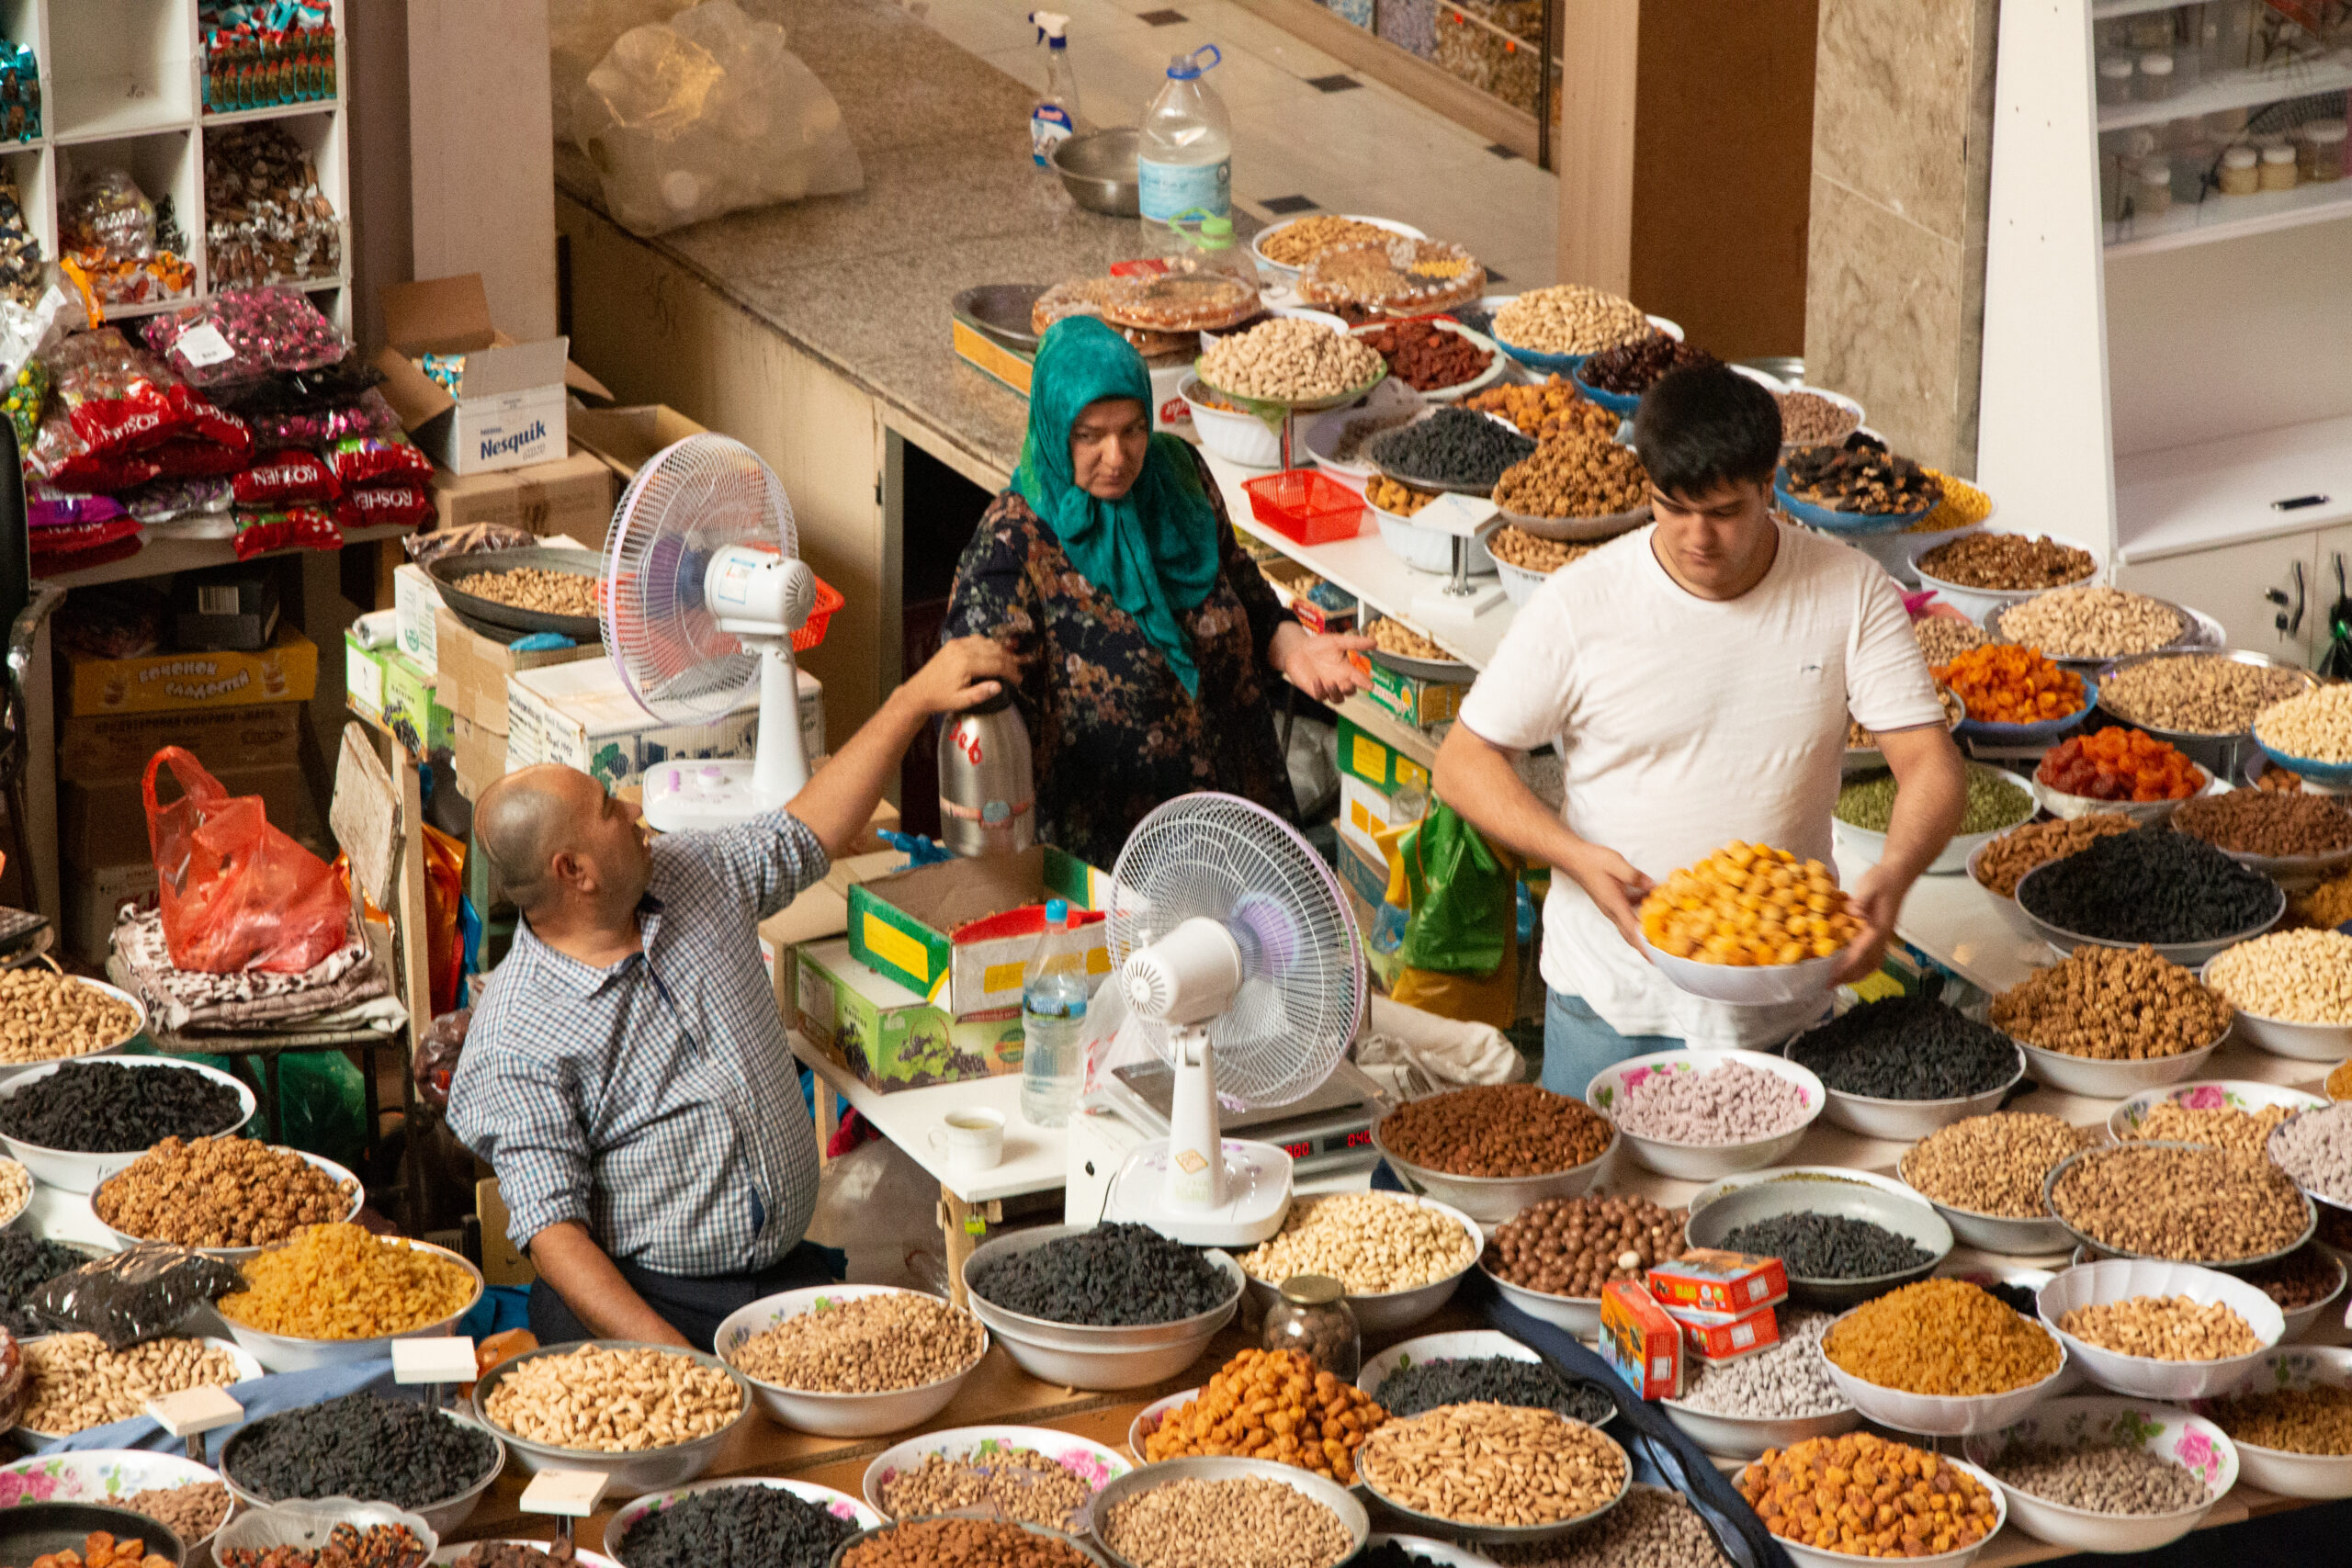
<point x="2276" y="1242"/>
<point x="504" y="594"/>
<point x="1401" y="1307"/>
<point x="46" y="1017"/>
<point x="1552" y="1475"/>
<point x="1398" y="647"/>
<point x="2193" y="687"/>
<point x="887" y="1381"/>
<point x="1127" y="1538"/>
<point x="613" y="1384"/>
<point x="840" y="1505"/>
<point x="2119" y="615"/>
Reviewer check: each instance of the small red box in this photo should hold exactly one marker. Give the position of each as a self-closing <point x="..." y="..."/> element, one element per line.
<point x="1641" y="1344"/>
<point x="1716" y="1281"/>
<point x="1307" y="505"/>
<point x="1760" y="1330"/>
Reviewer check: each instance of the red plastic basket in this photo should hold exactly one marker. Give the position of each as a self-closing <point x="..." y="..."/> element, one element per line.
<point x="1305" y="505"/>
<point x="828" y="599"/>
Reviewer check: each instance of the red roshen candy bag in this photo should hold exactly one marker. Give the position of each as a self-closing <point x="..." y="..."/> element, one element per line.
<point x="364" y="459"/>
<point x="260" y="532"/>
<point x="372" y="506"/>
<point x="285" y="477"/>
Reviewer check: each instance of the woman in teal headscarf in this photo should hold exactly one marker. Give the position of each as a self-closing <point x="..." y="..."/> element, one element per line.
<point x="1149" y="644"/>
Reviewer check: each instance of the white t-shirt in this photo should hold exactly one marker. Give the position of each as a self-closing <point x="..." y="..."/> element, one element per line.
<point x="1683" y="723"/>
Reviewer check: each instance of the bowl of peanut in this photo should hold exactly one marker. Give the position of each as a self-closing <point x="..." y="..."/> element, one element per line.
<point x="652" y="1415"/>
<point x="1398" y="647"/>
<point x="46" y="1017"/>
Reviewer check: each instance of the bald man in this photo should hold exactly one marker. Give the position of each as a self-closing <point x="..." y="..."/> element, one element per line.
<point x="626" y="1073"/>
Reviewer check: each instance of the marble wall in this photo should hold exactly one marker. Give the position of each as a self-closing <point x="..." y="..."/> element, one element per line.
<point x="1901" y="158"/>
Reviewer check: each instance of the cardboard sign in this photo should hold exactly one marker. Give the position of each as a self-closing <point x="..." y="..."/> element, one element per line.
<point x="573" y="1493"/>
<point x="449" y="1358"/>
<point x="194" y="1410"/>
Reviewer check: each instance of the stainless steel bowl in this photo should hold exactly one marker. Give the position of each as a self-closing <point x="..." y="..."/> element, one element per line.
<point x="445" y="1516"/>
<point x="2187" y="954"/>
<point x="1098" y="169"/>
<point x="1914" y="1220"/>
<point x="2223" y="756"/>
<point x="634" y="1473"/>
<point x="2101" y="1250"/>
<point x="2190" y="639"/>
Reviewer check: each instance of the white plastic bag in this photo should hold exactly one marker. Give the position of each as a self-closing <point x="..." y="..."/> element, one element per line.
<point x="707" y="114"/>
<point x="581" y="33"/>
<point x="880" y="1207"/>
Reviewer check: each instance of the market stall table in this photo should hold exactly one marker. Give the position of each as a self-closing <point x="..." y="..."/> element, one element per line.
<point x="1036" y="1159"/>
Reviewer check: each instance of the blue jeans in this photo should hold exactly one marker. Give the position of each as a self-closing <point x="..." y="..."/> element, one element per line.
<point x="1578" y="1044"/>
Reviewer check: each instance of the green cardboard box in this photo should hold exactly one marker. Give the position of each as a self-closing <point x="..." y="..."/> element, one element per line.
<point x="959" y="933"/>
<point x="412" y="709"/>
<point x="889" y="1036"/>
<point x="1419" y="702"/>
<point x="1364" y="755"/>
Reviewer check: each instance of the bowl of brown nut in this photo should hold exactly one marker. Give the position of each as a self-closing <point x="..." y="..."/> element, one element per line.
<point x="651" y="1415"/>
<point x="1398" y="647"/>
<point x="1528" y="560"/>
<point x="1575" y="487"/>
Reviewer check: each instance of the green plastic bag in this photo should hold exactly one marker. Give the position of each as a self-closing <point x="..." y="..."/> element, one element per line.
<point x="1465" y="896"/>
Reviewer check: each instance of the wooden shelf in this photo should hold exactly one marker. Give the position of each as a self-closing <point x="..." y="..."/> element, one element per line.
<point x="160" y="557"/>
<point x="2234" y="217"/>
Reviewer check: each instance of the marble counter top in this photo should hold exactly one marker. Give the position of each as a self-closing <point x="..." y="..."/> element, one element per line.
<point x="864" y="282"/>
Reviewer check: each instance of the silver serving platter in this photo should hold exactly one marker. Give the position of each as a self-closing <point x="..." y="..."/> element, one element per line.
<point x="2191" y="639"/>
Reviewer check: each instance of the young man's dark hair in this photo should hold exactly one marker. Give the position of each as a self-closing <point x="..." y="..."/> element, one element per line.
<point x="1705" y="427"/>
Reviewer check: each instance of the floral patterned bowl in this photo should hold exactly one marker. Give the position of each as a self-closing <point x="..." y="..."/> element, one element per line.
<point x="840" y="1504"/>
<point x="1090" y="1462"/>
<point x="105" y="1476"/>
<point x="2207" y="1094"/>
<point x="2280" y="1470"/>
<point x="2094" y="1421"/>
<point x="1705" y="1162"/>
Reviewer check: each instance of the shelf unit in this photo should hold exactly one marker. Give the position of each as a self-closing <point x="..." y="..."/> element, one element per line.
<point x="2178" y="390"/>
<point x="122" y="85"/>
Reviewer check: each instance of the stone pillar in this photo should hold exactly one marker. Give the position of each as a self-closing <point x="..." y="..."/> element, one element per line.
<point x="1902" y="159"/>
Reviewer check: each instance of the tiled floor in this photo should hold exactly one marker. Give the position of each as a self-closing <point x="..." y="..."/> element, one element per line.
<point x="1304" y="125"/>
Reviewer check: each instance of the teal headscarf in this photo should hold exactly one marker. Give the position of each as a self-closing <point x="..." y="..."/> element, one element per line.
<point x="1154" y="550"/>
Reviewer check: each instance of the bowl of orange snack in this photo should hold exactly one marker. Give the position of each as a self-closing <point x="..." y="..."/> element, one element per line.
<point x="2126" y="771"/>
<point x="1930" y="1508"/>
<point x="2015" y="697"/>
<point x="1270" y="1405"/>
<point x="1750" y="925"/>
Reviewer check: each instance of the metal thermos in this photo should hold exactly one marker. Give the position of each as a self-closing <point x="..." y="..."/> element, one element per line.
<point x="987" y="792"/>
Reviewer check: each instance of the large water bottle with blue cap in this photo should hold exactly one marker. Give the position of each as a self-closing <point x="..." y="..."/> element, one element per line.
<point x="1185" y="155"/>
<point x="1052" y="1016"/>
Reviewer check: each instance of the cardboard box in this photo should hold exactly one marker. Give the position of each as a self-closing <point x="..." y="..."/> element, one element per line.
<point x="415" y="597"/>
<point x="959" y="933"/>
<point x="1417" y="702"/>
<point x="103" y="822"/>
<point x="1728" y="1341"/>
<point x="91" y="895"/>
<point x="119" y="747"/>
<point x="626" y="438"/>
<point x="888" y="1035"/>
<point x="571" y="496"/>
<point x="1290" y="580"/>
<point x="1364" y="755"/>
<point x="1641" y="1344"/>
<point x="1709" y="1280"/>
<point x="287" y="671"/>
<point x="1379" y="923"/>
<point x="506" y="406"/>
<point x="580" y="715"/>
<point x="471" y="670"/>
<point x="1366" y="812"/>
<point x="227" y="607"/>
<point x="477" y="755"/>
<point x="411" y="711"/>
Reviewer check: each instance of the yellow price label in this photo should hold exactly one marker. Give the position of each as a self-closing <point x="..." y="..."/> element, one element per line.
<point x="975" y="1226"/>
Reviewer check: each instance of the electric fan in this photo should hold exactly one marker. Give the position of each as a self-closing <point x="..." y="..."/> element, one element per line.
<point x="704" y="593"/>
<point x="1241" y="965"/>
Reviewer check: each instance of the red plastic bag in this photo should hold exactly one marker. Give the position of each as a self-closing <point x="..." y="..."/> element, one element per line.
<point x="236" y="893"/>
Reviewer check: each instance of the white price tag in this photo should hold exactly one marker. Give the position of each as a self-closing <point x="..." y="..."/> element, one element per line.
<point x="449" y="1358"/>
<point x="573" y="1493"/>
<point x="203" y="345"/>
<point x="194" y="1410"/>
<point x="1462" y="515"/>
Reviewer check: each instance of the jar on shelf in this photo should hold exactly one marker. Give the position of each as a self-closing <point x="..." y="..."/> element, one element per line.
<point x="2319" y="152"/>
<point x="2115" y="79"/>
<point x="1313" y="1317"/>
<point x="2152" y="188"/>
<point x="2148" y="30"/>
<point x="2152" y="80"/>
<point x="2279" y="168"/>
<point x="2241" y="173"/>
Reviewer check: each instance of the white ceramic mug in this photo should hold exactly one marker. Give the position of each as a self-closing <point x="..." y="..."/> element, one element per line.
<point x="972" y="1140"/>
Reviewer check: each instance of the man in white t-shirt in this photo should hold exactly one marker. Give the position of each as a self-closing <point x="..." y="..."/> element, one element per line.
<point x="1696" y="678"/>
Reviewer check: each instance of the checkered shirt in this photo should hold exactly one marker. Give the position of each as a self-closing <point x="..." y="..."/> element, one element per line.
<point x="655" y="1102"/>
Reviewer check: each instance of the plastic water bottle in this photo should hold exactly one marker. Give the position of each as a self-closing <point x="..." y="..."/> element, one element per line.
<point x="1055" y="117"/>
<point x="1053" y="1015"/>
<point x="1185" y="154"/>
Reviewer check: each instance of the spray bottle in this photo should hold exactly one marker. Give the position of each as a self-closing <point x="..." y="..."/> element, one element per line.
<point x="1055" y="116"/>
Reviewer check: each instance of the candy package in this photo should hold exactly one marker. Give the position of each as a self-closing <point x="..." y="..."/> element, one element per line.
<point x="284" y="477"/>
<point x="168" y="500"/>
<point x="116" y="398"/>
<point x="48" y="508"/>
<point x="53" y="563"/>
<point x="27" y="396"/>
<point x="242" y="334"/>
<point x="70" y="538"/>
<point x="319" y="427"/>
<point x="186" y="457"/>
<point x="292" y="391"/>
<point x="119" y="620"/>
<point x="65" y="461"/>
<point x="259" y="532"/>
<point x="403" y="502"/>
<point x="146" y="1290"/>
<point x="112" y="245"/>
<point x="365" y="459"/>
<point x="22" y="276"/>
<point x="265" y="218"/>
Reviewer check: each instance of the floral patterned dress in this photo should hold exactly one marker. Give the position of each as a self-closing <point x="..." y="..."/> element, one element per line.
<point x="1111" y="730"/>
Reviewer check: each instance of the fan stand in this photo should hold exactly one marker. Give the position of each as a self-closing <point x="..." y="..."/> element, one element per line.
<point x="688" y="794"/>
<point x="1236" y="1199"/>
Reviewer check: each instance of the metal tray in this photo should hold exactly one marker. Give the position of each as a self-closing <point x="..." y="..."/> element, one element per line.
<point x="504" y="621"/>
<point x="2191" y="640"/>
<point x="1002" y="311"/>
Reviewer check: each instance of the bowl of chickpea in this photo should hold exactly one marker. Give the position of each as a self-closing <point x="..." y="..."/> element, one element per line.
<point x="1750" y="925"/>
